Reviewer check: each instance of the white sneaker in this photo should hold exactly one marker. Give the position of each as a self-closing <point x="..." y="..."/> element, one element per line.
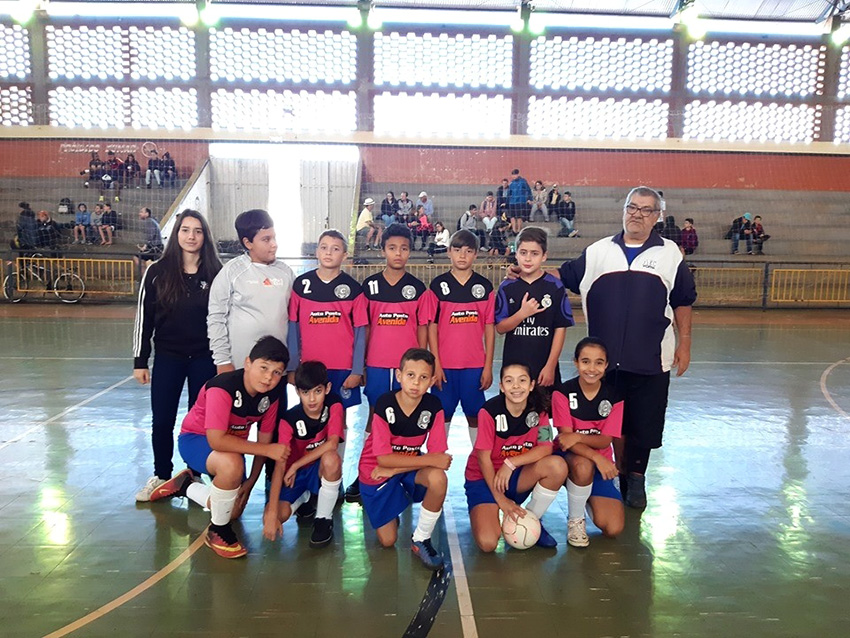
<point x="574" y="233"/>
<point x="144" y="494"/>
<point x="577" y="533"/>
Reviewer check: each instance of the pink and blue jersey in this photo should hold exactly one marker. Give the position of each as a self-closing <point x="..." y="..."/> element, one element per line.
<point x="574" y="412"/>
<point x="304" y="434"/>
<point x="395" y="313"/>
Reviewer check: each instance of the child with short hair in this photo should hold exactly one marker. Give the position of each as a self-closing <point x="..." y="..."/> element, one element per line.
<point x="511" y="459"/>
<point x="460" y="333"/>
<point x="397" y="317"/>
<point x="588" y="414"/>
<point x="690" y="240"/>
<point x="533" y="311"/>
<point x="393" y="469"/>
<point x="312" y="431"/>
<point x="82" y="219"/>
<point x="96" y="224"/>
<point x="214" y="440"/>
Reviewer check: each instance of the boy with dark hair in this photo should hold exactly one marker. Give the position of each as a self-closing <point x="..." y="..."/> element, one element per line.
<point x="214" y="440"/>
<point x="460" y="333"/>
<point x="397" y="320"/>
<point x="312" y="431"/>
<point x="250" y="295"/>
<point x="393" y="469"/>
<point x="533" y="311"/>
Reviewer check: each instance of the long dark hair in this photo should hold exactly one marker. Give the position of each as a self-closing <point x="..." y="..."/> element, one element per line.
<point x="171" y="286"/>
<point x="538" y="400"/>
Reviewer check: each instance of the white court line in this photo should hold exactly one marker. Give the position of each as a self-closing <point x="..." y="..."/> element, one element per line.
<point x="64" y="412"/>
<point x="63" y="358"/>
<point x="464" y="600"/>
<point x="826" y="393"/>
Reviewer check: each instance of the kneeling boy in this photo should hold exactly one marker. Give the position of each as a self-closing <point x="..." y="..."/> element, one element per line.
<point x="214" y="439"/>
<point x="393" y="469"/>
<point x="312" y="430"/>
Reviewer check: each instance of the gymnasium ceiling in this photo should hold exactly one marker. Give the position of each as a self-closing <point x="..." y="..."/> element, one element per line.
<point x="792" y="10"/>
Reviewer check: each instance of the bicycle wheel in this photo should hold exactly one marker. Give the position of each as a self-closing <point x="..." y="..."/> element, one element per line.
<point x="69" y="287"/>
<point x="10" y="288"/>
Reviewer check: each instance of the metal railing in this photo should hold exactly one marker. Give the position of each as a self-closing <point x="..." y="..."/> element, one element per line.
<point x="108" y="277"/>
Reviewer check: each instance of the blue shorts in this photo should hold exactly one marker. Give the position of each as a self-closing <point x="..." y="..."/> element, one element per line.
<point x="349" y="397"/>
<point x="389" y="499"/>
<point x="195" y="450"/>
<point x="477" y="492"/>
<point x="306" y="480"/>
<point x="606" y="488"/>
<point x="379" y="381"/>
<point x="461" y="386"/>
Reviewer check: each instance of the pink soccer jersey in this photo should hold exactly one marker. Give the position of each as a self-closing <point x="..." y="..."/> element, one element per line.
<point x="394" y="432"/>
<point x="395" y="313"/>
<point x="304" y="434"/>
<point x="224" y="404"/>
<point x="461" y="312"/>
<point x="327" y="314"/>
<point x="573" y="412"/>
<point x="505" y="435"/>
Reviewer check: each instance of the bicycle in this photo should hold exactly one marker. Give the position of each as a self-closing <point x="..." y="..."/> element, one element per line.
<point x="68" y="286"/>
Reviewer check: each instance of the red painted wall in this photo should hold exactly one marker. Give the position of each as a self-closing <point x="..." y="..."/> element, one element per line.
<point x="593" y="168"/>
<point x="66" y="158"/>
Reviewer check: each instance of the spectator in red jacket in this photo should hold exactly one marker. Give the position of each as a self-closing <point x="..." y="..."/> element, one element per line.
<point x="690" y="241"/>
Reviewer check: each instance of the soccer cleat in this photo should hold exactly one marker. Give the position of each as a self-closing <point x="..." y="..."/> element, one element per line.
<point x="636" y="491"/>
<point x="222" y="540"/>
<point x="577" y="533"/>
<point x="546" y="540"/>
<point x="352" y="494"/>
<point x="323" y="533"/>
<point x="175" y="486"/>
<point x="307" y="510"/>
<point x="144" y="494"/>
<point x="430" y="557"/>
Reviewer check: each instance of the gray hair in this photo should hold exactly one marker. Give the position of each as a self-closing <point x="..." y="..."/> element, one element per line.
<point x="644" y="191"/>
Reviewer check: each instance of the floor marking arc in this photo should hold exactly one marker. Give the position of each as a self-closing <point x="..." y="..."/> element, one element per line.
<point x="825" y="391"/>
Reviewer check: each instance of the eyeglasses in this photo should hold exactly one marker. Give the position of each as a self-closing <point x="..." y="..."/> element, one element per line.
<point x="638" y="211"/>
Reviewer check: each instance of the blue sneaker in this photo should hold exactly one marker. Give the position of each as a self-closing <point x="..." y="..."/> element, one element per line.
<point x="430" y="557"/>
<point x="546" y="540"/>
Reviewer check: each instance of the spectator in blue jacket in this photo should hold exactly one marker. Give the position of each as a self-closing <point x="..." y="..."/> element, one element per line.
<point x="519" y="201"/>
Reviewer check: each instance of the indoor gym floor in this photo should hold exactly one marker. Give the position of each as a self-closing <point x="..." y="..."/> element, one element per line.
<point x="747" y="532"/>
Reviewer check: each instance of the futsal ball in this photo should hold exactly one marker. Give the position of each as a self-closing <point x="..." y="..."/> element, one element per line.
<point x="523" y="532"/>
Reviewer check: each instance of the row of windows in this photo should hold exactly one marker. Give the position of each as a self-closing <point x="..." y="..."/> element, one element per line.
<point x="420" y="60"/>
<point x="418" y="114"/>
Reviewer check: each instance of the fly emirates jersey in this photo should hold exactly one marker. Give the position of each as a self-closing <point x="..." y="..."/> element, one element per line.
<point x="603" y="414"/>
<point x="304" y="434"/>
<point x="224" y="404"/>
<point x="461" y="312"/>
<point x="395" y="314"/>
<point x="505" y="435"/>
<point x="327" y="314"/>
<point x="394" y="432"/>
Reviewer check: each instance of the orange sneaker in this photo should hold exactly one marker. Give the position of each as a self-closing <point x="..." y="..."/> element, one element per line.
<point x="175" y="486"/>
<point x="222" y="540"/>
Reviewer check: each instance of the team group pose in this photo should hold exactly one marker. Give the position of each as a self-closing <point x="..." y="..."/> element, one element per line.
<point x="420" y="352"/>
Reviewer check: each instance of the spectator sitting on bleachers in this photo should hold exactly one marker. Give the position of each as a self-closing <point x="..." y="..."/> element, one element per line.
<point x="48" y="233"/>
<point x="26" y="228"/>
<point x="82" y="219"/>
<point x="152" y="248"/>
<point x="154" y="170"/>
<point x="111" y="178"/>
<point x="502" y="197"/>
<point x="94" y="172"/>
<point x="538" y="201"/>
<point x="488" y="206"/>
<point x="109" y="224"/>
<point x="425" y="201"/>
<point x="366" y="226"/>
<point x="759" y="236"/>
<point x="389" y="209"/>
<point x="498" y="241"/>
<point x="131" y="171"/>
<point x="690" y="241"/>
<point x="405" y="205"/>
<point x="567" y="216"/>
<point x="421" y="227"/>
<point x="97" y="224"/>
<point x="741" y="229"/>
<point x="168" y="170"/>
<point x="671" y="231"/>
<point x="440" y="243"/>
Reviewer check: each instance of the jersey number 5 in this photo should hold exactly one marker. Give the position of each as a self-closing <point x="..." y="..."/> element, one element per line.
<point x="573" y="401"/>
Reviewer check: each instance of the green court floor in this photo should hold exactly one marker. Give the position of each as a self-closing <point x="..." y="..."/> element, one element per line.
<point x="747" y="532"/>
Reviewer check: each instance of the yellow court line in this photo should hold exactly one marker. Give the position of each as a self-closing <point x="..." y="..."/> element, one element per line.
<point x="130" y="595"/>
<point x="826" y="393"/>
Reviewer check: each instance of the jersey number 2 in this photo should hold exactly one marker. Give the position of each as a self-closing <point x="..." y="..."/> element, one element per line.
<point x="306" y="287"/>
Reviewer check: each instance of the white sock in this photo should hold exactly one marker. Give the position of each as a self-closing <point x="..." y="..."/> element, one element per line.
<point x="577" y="496"/>
<point x="305" y="496"/>
<point x="199" y="493"/>
<point x="541" y="499"/>
<point x="340" y="449"/>
<point x="473" y="434"/>
<point x="221" y="504"/>
<point x="328" y="494"/>
<point x="427" y="522"/>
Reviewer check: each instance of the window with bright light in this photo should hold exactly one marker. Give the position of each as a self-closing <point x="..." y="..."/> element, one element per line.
<point x="164" y="108"/>
<point x="14" y="52"/>
<point x="597" y="119"/>
<point x="844" y="74"/>
<point x="756" y="122"/>
<point x="283" y="55"/>
<point x="756" y="69"/>
<point x="443" y="60"/>
<point x="842" y="125"/>
<point x="162" y="54"/>
<point x="427" y="115"/>
<point x="605" y="64"/>
<point x="284" y="111"/>
<point x="15" y="106"/>
<point x="92" y="107"/>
